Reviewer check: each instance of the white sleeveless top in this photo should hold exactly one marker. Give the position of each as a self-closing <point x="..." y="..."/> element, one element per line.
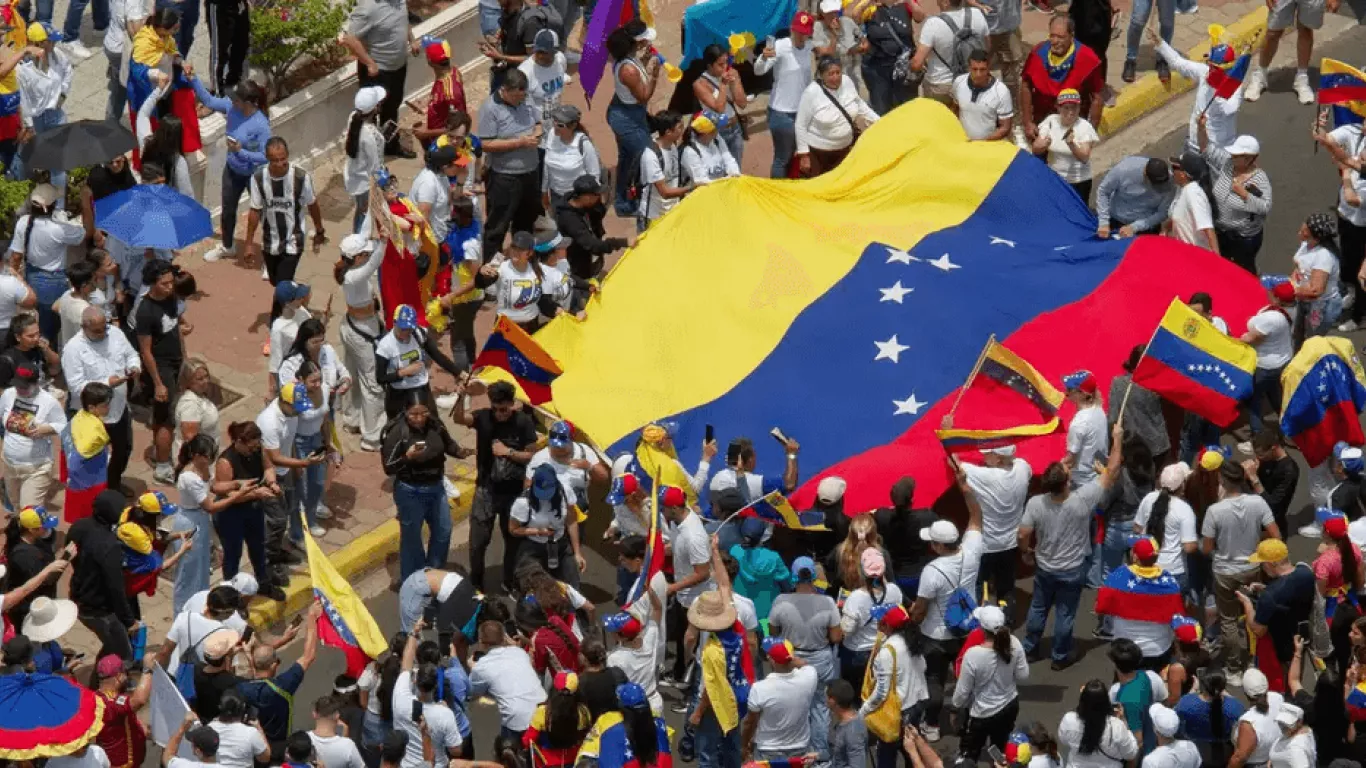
<point x="623" y="93"/>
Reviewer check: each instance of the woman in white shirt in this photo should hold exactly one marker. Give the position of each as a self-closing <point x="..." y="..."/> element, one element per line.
<point x="858" y="618"/>
<point x="1257" y="728"/>
<point x="1315" y="276"/>
<point x="569" y="154"/>
<point x="1191" y="216"/>
<point x="310" y="344"/>
<point x="987" y="684"/>
<point x="310" y="437"/>
<point x="1164" y="515"/>
<point x="195" y="411"/>
<point x="661" y="169"/>
<point x="44" y="78"/>
<point x="827" y="118"/>
<point x="364" y="150"/>
<point x="897" y="665"/>
<point x="360" y="329"/>
<point x="1092" y="736"/>
<point x="194" y="473"/>
<point x="706" y="158"/>
<point x="1296" y="747"/>
<point x="517" y="282"/>
<point x="1067" y="139"/>
<point x="41" y="238"/>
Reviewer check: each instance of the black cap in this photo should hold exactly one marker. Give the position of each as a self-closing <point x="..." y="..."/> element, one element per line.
<point x="1232" y="472"/>
<point x="26" y="375"/>
<point x="1157" y="171"/>
<point x="524" y="241"/>
<point x="18" y="650"/>
<point x="1192" y="163"/>
<point x="587" y="184"/>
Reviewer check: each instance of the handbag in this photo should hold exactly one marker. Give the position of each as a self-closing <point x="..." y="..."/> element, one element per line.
<point x="853" y="124"/>
<point x="885" y="721"/>
<point x="902" y="74"/>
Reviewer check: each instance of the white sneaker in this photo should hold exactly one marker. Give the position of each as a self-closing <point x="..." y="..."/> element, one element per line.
<point x="77" y="50"/>
<point x="164" y="474"/>
<point x="1349" y="326"/>
<point x="369" y="447"/>
<point x="446" y="402"/>
<point x="215" y="253"/>
<point x="1311" y="531"/>
<point x="317" y="531"/>
<point x="1256" y="83"/>
<point x="323" y="512"/>
<point x="930" y="732"/>
<point x="1302" y="89"/>
<point x="264" y="274"/>
<point x="1349" y="297"/>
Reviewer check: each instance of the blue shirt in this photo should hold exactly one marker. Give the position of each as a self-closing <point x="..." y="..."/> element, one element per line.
<point x="455" y="691"/>
<point x="275" y="712"/>
<point x="1194" y="714"/>
<point x="251" y="132"/>
<point x="48" y="658"/>
<point x="1126" y="196"/>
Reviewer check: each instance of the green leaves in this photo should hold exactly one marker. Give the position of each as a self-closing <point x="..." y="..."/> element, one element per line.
<point x="295" y="41"/>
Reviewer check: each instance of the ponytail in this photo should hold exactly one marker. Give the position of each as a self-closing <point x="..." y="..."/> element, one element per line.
<point x="1001" y="643"/>
<point x="199" y="445"/>
<point x="1213" y="683"/>
<point x="353" y="129"/>
<point x="1348" y="554"/>
<point x="1157" y="520"/>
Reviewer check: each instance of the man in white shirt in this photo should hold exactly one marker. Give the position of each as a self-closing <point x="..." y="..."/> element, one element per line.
<point x="574" y="463"/>
<point x="740" y="462"/>
<point x="505" y="673"/>
<point x="631" y="558"/>
<point x="692" y="565"/>
<point x="778" y="725"/>
<point x="1088" y="436"/>
<point x="280" y="193"/>
<point x="1191" y="218"/>
<point x="1001" y="485"/>
<point x="636" y="653"/>
<point x="790" y="61"/>
<point x="938" y="50"/>
<point x="1269" y="331"/>
<point x="89" y="756"/>
<point x="982" y="102"/>
<point x="279" y="422"/>
<point x="418" y="686"/>
<point x="191" y="630"/>
<point x="97" y="355"/>
<point x="333" y="749"/>
<point x="125" y="18"/>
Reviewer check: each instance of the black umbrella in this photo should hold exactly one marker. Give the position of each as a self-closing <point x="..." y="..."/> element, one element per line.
<point x="76" y="145"/>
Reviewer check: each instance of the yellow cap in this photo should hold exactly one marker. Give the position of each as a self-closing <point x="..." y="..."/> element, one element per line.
<point x="1270" y="551"/>
<point x="36" y="33"/>
<point x="703" y="124"/>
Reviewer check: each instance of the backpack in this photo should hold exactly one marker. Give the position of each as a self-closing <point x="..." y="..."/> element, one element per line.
<point x="604" y="175"/>
<point x="638" y="189"/>
<point x="300" y="177"/>
<point x="958" y="618"/>
<point x="539" y="17"/>
<point x="185" y="671"/>
<point x="966" y="41"/>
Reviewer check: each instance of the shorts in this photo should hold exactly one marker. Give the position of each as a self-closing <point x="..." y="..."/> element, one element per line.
<point x="1303" y="13"/>
<point x="163" y="413"/>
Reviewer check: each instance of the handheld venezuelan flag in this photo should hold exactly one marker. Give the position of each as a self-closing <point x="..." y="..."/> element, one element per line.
<point x="346" y="623"/>
<point x="1226" y="72"/>
<point x="1003" y="368"/>
<point x="654" y="553"/>
<point x="1325" y="392"/>
<point x="1356" y="702"/>
<point x="1197" y="366"/>
<point x="1139" y="593"/>
<point x="1344" y="88"/>
<point x="606" y="742"/>
<point x="775" y="509"/>
<point x="512" y="349"/>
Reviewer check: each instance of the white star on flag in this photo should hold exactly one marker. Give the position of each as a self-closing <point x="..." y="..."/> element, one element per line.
<point x="890" y="349"/>
<point x="1001" y="241"/>
<point x="909" y="406"/>
<point x="898" y="256"/>
<point x="943" y="263"/>
<point x="895" y="293"/>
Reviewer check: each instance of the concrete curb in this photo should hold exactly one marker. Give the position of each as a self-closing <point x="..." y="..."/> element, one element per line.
<point x="357" y="558"/>
<point x="1148" y="93"/>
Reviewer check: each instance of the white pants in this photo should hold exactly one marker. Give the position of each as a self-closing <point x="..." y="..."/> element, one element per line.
<point x="27" y="485"/>
<point x="364" y="403"/>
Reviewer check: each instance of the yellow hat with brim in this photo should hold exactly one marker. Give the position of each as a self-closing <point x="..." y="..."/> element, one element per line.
<point x="1270" y="551"/>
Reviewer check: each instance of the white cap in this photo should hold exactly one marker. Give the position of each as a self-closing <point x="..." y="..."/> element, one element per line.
<point x="1007" y="451"/>
<point x="1289" y="715"/>
<point x="941" y="532"/>
<point x="831" y="489"/>
<point x="648" y="34"/>
<point x="1255" y="683"/>
<point x="1165" y="721"/>
<point x="990" y="617"/>
<point x="351" y="245"/>
<point x="1244" y="145"/>
<point x="829" y="6"/>
<point x="1357" y="533"/>
<point x="244" y="583"/>
<point x="621" y="465"/>
<point x="369" y="97"/>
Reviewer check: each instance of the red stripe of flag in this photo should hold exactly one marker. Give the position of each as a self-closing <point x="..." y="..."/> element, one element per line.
<point x="1185" y="392"/>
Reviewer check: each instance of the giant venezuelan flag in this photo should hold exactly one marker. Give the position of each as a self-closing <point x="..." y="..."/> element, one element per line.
<point x="849" y="308"/>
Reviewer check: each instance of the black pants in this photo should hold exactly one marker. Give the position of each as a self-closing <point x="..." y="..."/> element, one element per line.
<point x="939" y="656"/>
<point x="279" y="267"/>
<point x="997" y="574"/>
<point x="1083" y="189"/>
<point x="992" y="730"/>
<point x="488" y="508"/>
<point x="239" y="525"/>
<point x="1353" y="241"/>
<point x="112" y="634"/>
<point x="1238" y="249"/>
<point x="564" y="569"/>
<point x="229" y="38"/>
<point x="514" y="203"/>
<point x="1159" y="662"/>
<point x="464" y="346"/>
<point x="120" y="448"/>
<point x="393" y="83"/>
<point x="678" y="629"/>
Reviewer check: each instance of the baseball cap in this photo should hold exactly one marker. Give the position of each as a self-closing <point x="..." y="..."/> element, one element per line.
<point x="437" y="51"/>
<point x="940" y="532"/>
<point x="1165" y="721"/>
<point x="1082" y="381"/>
<point x="244" y="583"/>
<point x="220" y="643"/>
<point x="288" y="290"/>
<point x="1349" y="456"/>
<point x="565" y="113"/>
<point x="1269" y="551"/>
<point x="561" y="434"/>
<point x="1187" y="630"/>
<point x="544" y="482"/>
<point x="1007" y="451"/>
<point x="752" y="529"/>
<point x="1255" y="683"/>
<point x="405" y="317"/>
<point x="523" y="241"/>
<point x="630" y="695"/>
<point x="26" y="374"/>
<point x="803" y="23"/>
<point x="1145" y="548"/>
<point x="33" y="518"/>
<point x="831" y="489"/>
<point x="990" y="617"/>
<point x="830" y="6"/>
<point x="891" y="615"/>
<point x="779" y="650"/>
<point x="1157" y="171"/>
<point x="1068" y="96"/>
<point x="1284" y="292"/>
<point x="804" y="569"/>
<point x="1192" y="163"/>
<point x="669" y="496"/>
<point x="623" y="624"/>
<point x="294" y="394"/>
<point x="156" y="502"/>
<point x="565" y="681"/>
<point x="369" y="98"/>
<point x="1244" y="145"/>
<point x="545" y="41"/>
<point x="1174" y="476"/>
<point x="39" y="31"/>
<point x="108" y="666"/>
<point x="622" y="486"/>
<point x="587" y="184"/>
<point x="648" y="34"/>
<point x="1289" y="715"/>
<point x="43" y="194"/>
<point x="353" y="245"/>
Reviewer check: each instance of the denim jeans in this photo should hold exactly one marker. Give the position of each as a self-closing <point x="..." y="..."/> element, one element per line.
<point x="1196" y="433"/>
<point x="419" y="504"/>
<point x="630" y="125"/>
<point x="1062" y="591"/>
<point x="1138" y="19"/>
<point x="189" y="19"/>
<point x="362" y="207"/>
<point x="1112" y="551"/>
<point x="234" y="184"/>
<point x="826" y="664"/>
<point x="1266" y="385"/>
<point x="118" y="91"/>
<point x="716" y="749"/>
<point x="489" y="19"/>
<point x="192" y="572"/>
<point x="734" y="136"/>
<point x="71" y="30"/>
<point x="44" y="11"/>
<point x="782" y="126"/>
<point x="48" y="287"/>
<point x="309" y="484"/>
<point x="44" y="121"/>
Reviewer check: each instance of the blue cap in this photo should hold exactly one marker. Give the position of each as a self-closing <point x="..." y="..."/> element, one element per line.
<point x="561" y="434"/>
<point x="1324" y="514"/>
<point x="545" y="483"/>
<point x="880" y="610"/>
<point x="405" y="317"/>
<point x="630" y="695"/>
<point x="752" y="530"/>
<point x="804" y="569"/>
<point x="296" y="395"/>
<point x="288" y="290"/>
<point x="617" y="621"/>
<point x="621" y="488"/>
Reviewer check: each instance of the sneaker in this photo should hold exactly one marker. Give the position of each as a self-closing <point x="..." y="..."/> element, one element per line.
<point x="273" y="592"/>
<point x="1349" y="297"/>
<point x="668" y="681"/>
<point x="1311" y="531"/>
<point x="369" y="447"/>
<point x="77" y="50"/>
<point x="679" y="707"/>
<point x="1349" y="326"/>
<point x="215" y="253"/>
<point x="1256" y="83"/>
<point x="1233" y="677"/>
<point x="164" y="474"/>
<point x="1302" y="89"/>
<point x="323" y="512"/>
<point x="1059" y="665"/>
<point x="1100" y="634"/>
<point x="1130" y="71"/>
<point x="446" y="402"/>
<point x="265" y="275"/>
<point x="317" y="531"/>
<point x="930" y="732"/>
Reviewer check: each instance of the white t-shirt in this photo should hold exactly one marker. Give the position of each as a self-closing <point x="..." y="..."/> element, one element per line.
<point x="238" y="744"/>
<point x="783" y="701"/>
<point x="910" y="671"/>
<point x="1088" y="436"/>
<point x="545" y="85"/>
<point x="12" y="291"/>
<point x="1060" y="157"/>
<point x="981" y="117"/>
<point x="791" y="67"/>
<point x="945" y="574"/>
<point x="1308" y="260"/>
<point x="403" y="353"/>
<point x="369" y="681"/>
<point x="518" y="291"/>
<point x="1002" y="494"/>
<point x="1276" y="347"/>
<point x="188" y="632"/>
<point x="336" y="751"/>
<point x="506" y="675"/>
<point x="1298" y="751"/>
<point x="94" y="757"/>
<point x="708" y="162"/>
<point x="1352" y="139"/>
<point x="566" y="162"/>
<point x="641" y="609"/>
<point x="445" y="735"/>
<point x="311" y="423"/>
<point x="691" y="548"/>
<point x="652" y="204"/>
<point x="641" y="664"/>
<point x="1264" y="725"/>
<point x="543" y="515"/>
<point x="18" y="414"/>
<point x="1179" y="530"/>
<point x="936" y="34"/>
<point x="575" y="479"/>
<point x="277" y="432"/>
<point x="435" y="190"/>
<point x="1117" y="745"/>
<point x="1178" y="754"/>
<point x="282" y="333"/>
<point x="1153" y="638"/>
<point x="1191" y="215"/>
<point x="860" y="630"/>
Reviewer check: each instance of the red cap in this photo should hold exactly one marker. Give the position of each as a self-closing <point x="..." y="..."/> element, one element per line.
<point x="629" y="484"/>
<point x="895" y="618"/>
<point x="1145" y="549"/>
<point x="803" y="23"/>
<point x="438" y="53"/>
<point x="1336" y="527"/>
<point x="673" y="497"/>
<point x="1284" y="292"/>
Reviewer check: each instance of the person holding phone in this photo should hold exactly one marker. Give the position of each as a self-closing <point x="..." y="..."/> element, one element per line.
<point x="418" y="713"/>
<point x="414" y="454"/>
<point x="1285" y="601"/>
<point x="270" y="692"/>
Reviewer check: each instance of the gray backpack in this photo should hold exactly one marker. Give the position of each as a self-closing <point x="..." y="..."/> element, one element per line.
<point x="966" y="41"/>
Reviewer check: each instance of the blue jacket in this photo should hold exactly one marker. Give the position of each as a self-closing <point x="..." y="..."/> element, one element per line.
<point x="251" y="132"/>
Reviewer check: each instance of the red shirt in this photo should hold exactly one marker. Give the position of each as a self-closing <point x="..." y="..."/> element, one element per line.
<point x="547" y="641"/>
<point x="122" y="738"/>
<point x="447" y="93"/>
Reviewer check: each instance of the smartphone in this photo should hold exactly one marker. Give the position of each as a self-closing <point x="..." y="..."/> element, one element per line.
<point x="421" y="445"/>
<point x="322" y="450"/>
<point x="771" y="42"/>
<point x="710" y="434"/>
<point x="995" y="754"/>
<point x="417" y="711"/>
<point x="777" y="433"/>
<point x="247" y="633"/>
<point x="1302" y="629"/>
<point x="297" y="620"/>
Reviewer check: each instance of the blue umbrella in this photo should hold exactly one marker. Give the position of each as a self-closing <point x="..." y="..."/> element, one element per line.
<point x="153" y="216"/>
<point x="46" y="716"/>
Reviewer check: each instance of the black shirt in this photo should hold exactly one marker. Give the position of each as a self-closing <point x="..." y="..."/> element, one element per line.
<point x="13" y="357"/>
<point x="1283" y="605"/>
<point x="889" y="33"/>
<point x="1346" y="498"/>
<point x="1278" y="478"/>
<point x="900" y="532"/>
<point x="503" y="477"/>
<point x="160" y="319"/>
<point x="427" y="467"/>
<point x="104" y="182"/>
<point x="208" y="690"/>
<point x="26" y="561"/>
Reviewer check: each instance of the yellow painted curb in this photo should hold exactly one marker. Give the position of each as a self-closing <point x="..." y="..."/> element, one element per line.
<point x="1148" y="93"/>
<point x="362" y="555"/>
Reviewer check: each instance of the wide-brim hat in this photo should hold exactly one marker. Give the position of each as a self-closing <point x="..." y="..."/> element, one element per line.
<point x="49" y="619"/>
<point x="710" y="613"/>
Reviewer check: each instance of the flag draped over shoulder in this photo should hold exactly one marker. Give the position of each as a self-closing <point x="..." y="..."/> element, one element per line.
<point x="654" y="554"/>
<point x="1140" y="594"/>
<point x="607" y="743"/>
<point x="1003" y="368"/>
<point x="1197" y="366"/>
<point x="1344" y="87"/>
<point x="85" y="464"/>
<point x="1325" y="392"/>
<point x="775" y="509"/>
<point x="727" y="674"/>
<point x="512" y="349"/>
<point x="346" y="623"/>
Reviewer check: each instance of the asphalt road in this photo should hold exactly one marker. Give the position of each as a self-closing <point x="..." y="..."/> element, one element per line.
<point x="1303" y="183"/>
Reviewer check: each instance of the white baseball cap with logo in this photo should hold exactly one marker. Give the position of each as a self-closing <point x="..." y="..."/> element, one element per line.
<point x="941" y="532"/>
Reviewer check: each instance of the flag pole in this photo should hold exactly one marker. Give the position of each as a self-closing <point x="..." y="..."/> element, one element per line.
<point x="1125" y="402"/>
<point x="602" y="455"/>
<point x="976" y="368"/>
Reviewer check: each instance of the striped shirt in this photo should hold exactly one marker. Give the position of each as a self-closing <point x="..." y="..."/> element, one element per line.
<point x="281" y="208"/>
<point x="1244" y="218"/>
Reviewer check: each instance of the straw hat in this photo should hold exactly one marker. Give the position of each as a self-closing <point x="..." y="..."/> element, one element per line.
<point x="710" y="613"/>
<point x="49" y="619"/>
